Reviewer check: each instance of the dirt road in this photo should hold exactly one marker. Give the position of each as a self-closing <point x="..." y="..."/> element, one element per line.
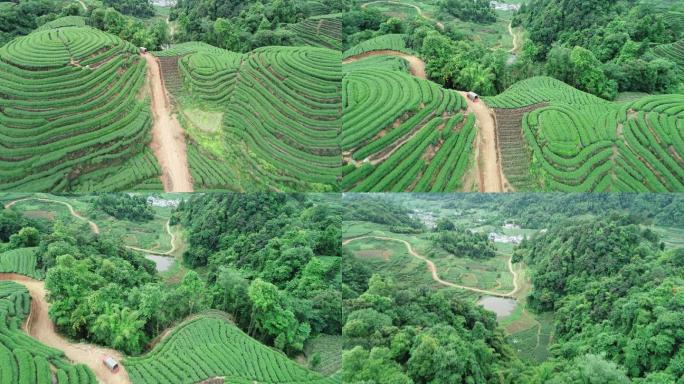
<point x="39" y="326"/>
<point x="433" y="268"/>
<point x="488" y="164"/>
<point x="420" y="11"/>
<point x="490" y="173"/>
<point x="96" y="229"/>
<point x="170" y="251"/>
<point x="515" y="37"/>
<point x="168" y="139"/>
<point x="416" y="65"/>
<point x="83" y="5"/>
<point x="93" y="226"/>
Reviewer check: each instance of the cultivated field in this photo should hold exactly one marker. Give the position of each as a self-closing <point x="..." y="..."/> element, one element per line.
<point x="211" y="346"/>
<point x="20" y="260"/>
<point x="280" y="109"/>
<point x="323" y="31"/>
<point x="71" y="114"/>
<point x="401" y="132"/>
<point x="576" y="142"/>
<point x="23" y="359"/>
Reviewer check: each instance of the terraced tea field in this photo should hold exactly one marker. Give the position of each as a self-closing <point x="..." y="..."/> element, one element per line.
<point x="281" y="109"/>
<point x="320" y="31"/>
<point x="394" y="42"/>
<point x="71" y="118"/>
<point x="576" y="142"/>
<point x="673" y="52"/>
<point x="21" y="260"/>
<point x="401" y="132"/>
<point x="211" y="346"/>
<point x="24" y="359"/>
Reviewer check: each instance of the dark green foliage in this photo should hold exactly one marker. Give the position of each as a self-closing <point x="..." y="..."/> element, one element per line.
<point x="465" y="243"/>
<point x="619" y="34"/>
<point x="541" y="210"/>
<point x="125" y="206"/>
<point x="615" y="293"/>
<point x="420" y="335"/>
<point x="478" y="11"/>
<point x="362" y="207"/>
<point x="273" y="261"/>
<point x="241" y="26"/>
<point x="22" y="17"/>
<point x="138" y="8"/>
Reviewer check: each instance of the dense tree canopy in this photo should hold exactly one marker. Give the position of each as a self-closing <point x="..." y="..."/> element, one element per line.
<point x="125" y="206"/>
<point x="139" y="8"/>
<point x="479" y="11"/>
<point x="273" y="261"/>
<point x="462" y="242"/>
<point x="241" y="26"/>
<point x="419" y="335"/>
<point x="602" y="46"/>
<point x="615" y="293"/>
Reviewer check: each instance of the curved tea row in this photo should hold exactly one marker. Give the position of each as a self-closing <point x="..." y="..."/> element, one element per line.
<point x="210" y="346"/>
<point x="68" y="108"/>
<point x="281" y="108"/>
<point x="580" y="143"/>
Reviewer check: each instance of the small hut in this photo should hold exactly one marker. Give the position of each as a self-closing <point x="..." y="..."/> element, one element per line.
<point x="143" y="50"/>
<point x="110" y="363"/>
<point x="473" y="96"/>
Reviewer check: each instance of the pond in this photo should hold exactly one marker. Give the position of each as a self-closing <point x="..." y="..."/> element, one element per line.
<point x="499" y="305"/>
<point x="163" y="262"/>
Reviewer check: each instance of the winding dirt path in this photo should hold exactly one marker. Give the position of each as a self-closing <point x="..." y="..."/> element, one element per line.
<point x="417" y="8"/>
<point x="515" y="37"/>
<point x="488" y="163"/>
<point x="93" y="226"/>
<point x="39" y="326"/>
<point x="435" y="275"/>
<point x="170" y="251"/>
<point x="96" y="230"/>
<point x="489" y="170"/>
<point x="83" y="5"/>
<point x="168" y="139"/>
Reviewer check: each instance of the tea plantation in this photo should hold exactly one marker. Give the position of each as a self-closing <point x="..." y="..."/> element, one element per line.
<point x="211" y="346"/>
<point x="281" y="109"/>
<point x="71" y="114"/>
<point x="23" y="359"/>
<point x="576" y="142"/>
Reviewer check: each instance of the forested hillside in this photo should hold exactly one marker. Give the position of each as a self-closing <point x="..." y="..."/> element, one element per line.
<point x="259" y="270"/>
<point x="604" y="47"/>
<point x="241" y="26"/>
<point x="603" y="302"/>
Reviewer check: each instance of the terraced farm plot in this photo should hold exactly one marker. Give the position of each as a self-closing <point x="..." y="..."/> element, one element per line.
<point x="320" y="31"/>
<point x="673" y="52"/>
<point x="402" y="133"/>
<point x="394" y="42"/>
<point x="576" y="142"/>
<point x="70" y="119"/>
<point x="211" y="346"/>
<point x="329" y="349"/>
<point x="22" y="358"/>
<point x="21" y="260"/>
<point x="281" y="117"/>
